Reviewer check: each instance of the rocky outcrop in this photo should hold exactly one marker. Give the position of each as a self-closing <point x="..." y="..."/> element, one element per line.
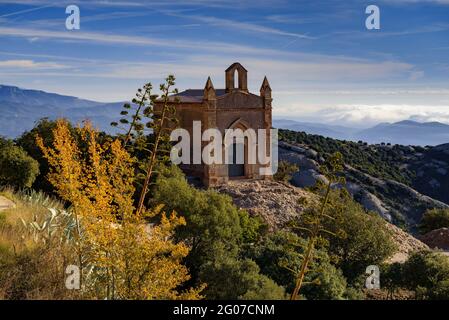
<point x="307" y="178"/>
<point x="277" y="203"/>
<point x="372" y="203"/>
<point x="393" y="200"/>
<point x="437" y="239"/>
<point x="405" y="243"/>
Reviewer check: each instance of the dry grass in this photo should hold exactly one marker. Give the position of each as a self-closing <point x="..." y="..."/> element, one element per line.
<point x="30" y="269"/>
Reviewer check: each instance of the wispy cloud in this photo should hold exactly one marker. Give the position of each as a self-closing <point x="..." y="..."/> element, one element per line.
<point x="241" y="26"/>
<point x="109" y="38"/>
<point x="30" y="64"/>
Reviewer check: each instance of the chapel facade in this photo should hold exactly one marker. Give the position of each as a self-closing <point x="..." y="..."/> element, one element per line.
<point x="233" y="107"/>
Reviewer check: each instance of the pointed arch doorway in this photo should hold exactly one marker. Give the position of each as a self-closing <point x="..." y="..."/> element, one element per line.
<point x="238" y="166"/>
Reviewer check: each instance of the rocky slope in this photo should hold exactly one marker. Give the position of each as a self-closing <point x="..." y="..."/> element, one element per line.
<point x="405" y="242"/>
<point x="394" y="200"/>
<point x="437" y="239"/>
<point x="277" y="203"/>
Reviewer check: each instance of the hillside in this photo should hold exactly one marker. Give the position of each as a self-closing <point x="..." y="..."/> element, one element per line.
<point x="399" y="182"/>
<point x="278" y="203"/>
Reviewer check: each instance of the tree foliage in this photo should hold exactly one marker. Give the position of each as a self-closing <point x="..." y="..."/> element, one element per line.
<point x="216" y="231"/>
<point x="285" y="171"/>
<point x="363" y="237"/>
<point x="17" y="168"/>
<point x="434" y="219"/>
<point x="279" y="256"/>
<point x="119" y="255"/>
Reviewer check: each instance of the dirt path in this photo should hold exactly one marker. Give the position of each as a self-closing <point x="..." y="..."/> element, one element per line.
<point x="5" y="203"/>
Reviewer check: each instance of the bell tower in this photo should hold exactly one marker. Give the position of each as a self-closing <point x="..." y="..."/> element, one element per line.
<point x="242" y="84"/>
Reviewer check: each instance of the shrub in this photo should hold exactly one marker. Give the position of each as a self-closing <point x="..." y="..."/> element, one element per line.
<point x="126" y="259"/>
<point x="285" y="171"/>
<point x="44" y="129"/>
<point x="17" y="168"/>
<point x="364" y="239"/>
<point x="434" y="219"/>
<point x="215" y="230"/>
<point x="428" y="273"/>
<point x="280" y="253"/>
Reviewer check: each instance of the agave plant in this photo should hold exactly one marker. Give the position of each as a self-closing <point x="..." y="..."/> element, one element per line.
<point x="56" y="221"/>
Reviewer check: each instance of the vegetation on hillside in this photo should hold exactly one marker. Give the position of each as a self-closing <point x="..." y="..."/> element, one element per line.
<point x="434" y="219"/>
<point x="17" y="168"/>
<point x="381" y="161"/>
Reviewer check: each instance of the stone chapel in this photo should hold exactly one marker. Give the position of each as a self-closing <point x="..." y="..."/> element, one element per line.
<point x="233" y="107"/>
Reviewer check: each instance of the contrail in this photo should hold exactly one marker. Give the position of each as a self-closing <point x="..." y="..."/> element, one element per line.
<point x="25" y="11"/>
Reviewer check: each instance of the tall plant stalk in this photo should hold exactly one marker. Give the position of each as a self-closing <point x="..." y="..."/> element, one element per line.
<point x="158" y="126"/>
<point x="315" y="230"/>
<point x="314" y="223"/>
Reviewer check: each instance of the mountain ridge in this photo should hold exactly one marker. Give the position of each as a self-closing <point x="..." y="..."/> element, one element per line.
<point x="405" y="132"/>
<point x="22" y="108"/>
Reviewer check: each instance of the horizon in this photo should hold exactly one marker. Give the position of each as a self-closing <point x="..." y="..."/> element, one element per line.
<point x="323" y="64"/>
<point x="275" y="118"/>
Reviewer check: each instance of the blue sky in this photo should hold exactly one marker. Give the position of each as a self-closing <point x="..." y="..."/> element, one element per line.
<point x="322" y="63"/>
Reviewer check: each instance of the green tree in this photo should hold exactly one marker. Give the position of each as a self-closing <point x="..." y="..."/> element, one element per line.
<point x="364" y="239"/>
<point x="434" y="219"/>
<point x="215" y="231"/>
<point x="43" y="128"/>
<point x="427" y="273"/>
<point x="280" y="253"/>
<point x="17" y="168"/>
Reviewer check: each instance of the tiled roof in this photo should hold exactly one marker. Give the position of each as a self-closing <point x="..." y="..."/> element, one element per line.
<point x="196" y="95"/>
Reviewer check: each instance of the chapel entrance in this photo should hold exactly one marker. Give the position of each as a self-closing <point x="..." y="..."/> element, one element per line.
<point x="236" y="167"/>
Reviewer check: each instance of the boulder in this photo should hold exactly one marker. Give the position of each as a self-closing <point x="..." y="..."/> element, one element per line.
<point x="308" y="178"/>
<point x="372" y="203"/>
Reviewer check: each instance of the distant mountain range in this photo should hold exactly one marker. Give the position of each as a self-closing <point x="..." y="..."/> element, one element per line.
<point x="21" y="108"/>
<point x="405" y="132"/>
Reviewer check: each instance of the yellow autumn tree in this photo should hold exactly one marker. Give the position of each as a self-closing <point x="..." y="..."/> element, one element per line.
<point x="119" y="254"/>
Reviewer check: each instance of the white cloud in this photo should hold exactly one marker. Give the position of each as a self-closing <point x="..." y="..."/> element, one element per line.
<point x="30" y="64"/>
<point x="368" y="115"/>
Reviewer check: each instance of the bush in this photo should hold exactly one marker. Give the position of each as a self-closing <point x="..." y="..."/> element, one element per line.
<point x="285" y="171"/>
<point x="281" y="252"/>
<point x="215" y="230"/>
<point x="17" y="168"/>
<point x="44" y="128"/>
<point x="428" y="273"/>
<point x="363" y="238"/>
<point x="231" y="278"/>
<point x="30" y="268"/>
<point x="434" y="219"/>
